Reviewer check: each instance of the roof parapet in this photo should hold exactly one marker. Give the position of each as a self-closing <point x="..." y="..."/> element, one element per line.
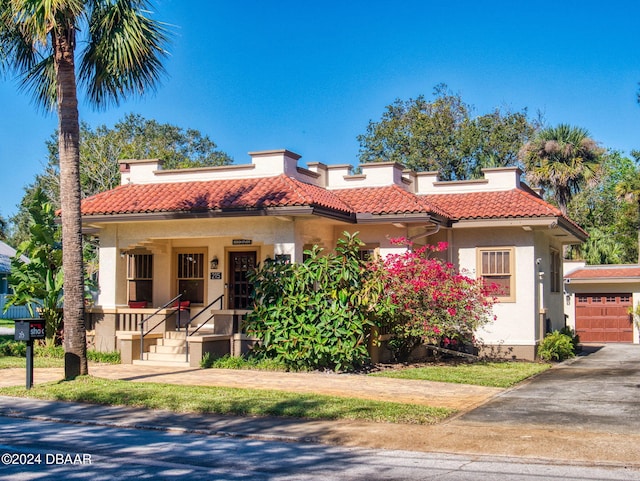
<point x="495" y="179"/>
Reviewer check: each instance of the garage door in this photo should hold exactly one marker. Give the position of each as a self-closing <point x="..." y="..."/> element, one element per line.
<point x="604" y="318"/>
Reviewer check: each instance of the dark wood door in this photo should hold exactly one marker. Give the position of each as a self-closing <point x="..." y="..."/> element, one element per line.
<point x="240" y="289"/>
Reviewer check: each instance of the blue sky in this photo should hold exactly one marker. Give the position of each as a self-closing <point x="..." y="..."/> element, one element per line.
<point x="308" y="76"/>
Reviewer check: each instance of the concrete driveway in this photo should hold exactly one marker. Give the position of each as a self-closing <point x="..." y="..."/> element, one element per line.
<point x="598" y="391"/>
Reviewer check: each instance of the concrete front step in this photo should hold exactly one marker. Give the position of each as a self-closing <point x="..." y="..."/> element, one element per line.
<point x="146" y="362"/>
<point x="155" y="356"/>
<point x="180" y="349"/>
<point x="175" y="335"/>
<point x="171" y="342"/>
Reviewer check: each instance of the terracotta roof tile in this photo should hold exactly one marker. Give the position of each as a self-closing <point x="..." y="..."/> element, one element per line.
<point x="488" y="205"/>
<point x="386" y="200"/>
<point x="285" y="191"/>
<point x="211" y="195"/>
<point x="609" y="272"/>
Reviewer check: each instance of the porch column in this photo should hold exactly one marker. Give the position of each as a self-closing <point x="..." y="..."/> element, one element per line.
<point x="108" y="277"/>
<point x="112" y="267"/>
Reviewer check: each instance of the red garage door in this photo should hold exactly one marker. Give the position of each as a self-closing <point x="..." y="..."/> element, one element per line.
<point x="604" y="318"/>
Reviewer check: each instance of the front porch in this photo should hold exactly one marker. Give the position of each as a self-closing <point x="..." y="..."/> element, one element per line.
<point x="169" y="335"/>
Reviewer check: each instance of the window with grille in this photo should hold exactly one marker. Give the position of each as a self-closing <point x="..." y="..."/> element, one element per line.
<point x="496" y="266"/>
<point x="140" y="278"/>
<point x="191" y="276"/>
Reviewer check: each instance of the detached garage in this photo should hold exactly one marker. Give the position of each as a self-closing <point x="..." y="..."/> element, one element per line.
<point x="599" y="300"/>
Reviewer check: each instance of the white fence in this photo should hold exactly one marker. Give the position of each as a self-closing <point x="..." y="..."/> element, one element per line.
<point x="14" y="312"/>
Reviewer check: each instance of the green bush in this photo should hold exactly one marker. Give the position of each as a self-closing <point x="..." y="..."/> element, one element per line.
<point x="556" y="347"/>
<point x="104" y="357"/>
<point x="575" y="339"/>
<point x="232" y="362"/>
<point x="48" y="350"/>
<point x="13" y="348"/>
<point x="207" y="360"/>
<point x="316" y="314"/>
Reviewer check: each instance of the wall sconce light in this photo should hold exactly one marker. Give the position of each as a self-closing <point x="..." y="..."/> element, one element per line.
<point x="214" y="263"/>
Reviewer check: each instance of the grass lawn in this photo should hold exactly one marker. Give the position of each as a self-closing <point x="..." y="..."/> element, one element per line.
<point x="230" y="401"/>
<point x="494" y="374"/>
<point x="12" y="361"/>
<point x="7" y="323"/>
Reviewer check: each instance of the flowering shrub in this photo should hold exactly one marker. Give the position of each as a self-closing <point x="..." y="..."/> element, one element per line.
<point x="434" y="304"/>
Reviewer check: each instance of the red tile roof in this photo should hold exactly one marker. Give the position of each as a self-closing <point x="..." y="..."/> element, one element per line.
<point x="608" y="272"/>
<point x="285" y="191"/>
<point x="386" y="200"/>
<point x="490" y="205"/>
<point x="211" y="195"/>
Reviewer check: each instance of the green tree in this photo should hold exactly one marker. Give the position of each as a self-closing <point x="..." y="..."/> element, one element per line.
<point x="140" y="138"/>
<point x="122" y="55"/>
<point x="494" y="139"/>
<point x="39" y="279"/>
<point x="629" y="190"/>
<point x="102" y="147"/>
<point x="561" y="159"/>
<point x="441" y="135"/>
<point x="4" y="227"/>
<point x="609" y="219"/>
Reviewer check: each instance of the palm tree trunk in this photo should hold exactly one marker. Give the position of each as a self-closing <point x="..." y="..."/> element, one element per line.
<point x="75" y="346"/>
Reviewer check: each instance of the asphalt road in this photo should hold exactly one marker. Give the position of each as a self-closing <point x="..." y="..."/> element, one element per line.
<point x="59" y="451"/>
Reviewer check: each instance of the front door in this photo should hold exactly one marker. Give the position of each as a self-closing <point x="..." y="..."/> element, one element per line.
<point x="240" y="289"/>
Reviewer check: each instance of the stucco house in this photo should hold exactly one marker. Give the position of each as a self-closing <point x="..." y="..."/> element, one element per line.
<point x="599" y="299"/>
<point x="198" y="231"/>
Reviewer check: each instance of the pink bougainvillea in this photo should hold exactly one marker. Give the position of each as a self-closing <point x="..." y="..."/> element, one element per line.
<point x="433" y="302"/>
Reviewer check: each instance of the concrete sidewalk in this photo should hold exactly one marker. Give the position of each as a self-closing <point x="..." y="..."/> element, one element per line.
<point x="461" y="434"/>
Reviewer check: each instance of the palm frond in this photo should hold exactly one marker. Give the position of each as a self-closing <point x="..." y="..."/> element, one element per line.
<point x="40" y="81"/>
<point x="124" y="51"/>
<point x="33" y="65"/>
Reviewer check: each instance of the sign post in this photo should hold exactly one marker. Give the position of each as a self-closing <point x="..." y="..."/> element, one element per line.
<point x="28" y="330"/>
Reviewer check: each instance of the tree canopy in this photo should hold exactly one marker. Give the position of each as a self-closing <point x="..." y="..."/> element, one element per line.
<point x="102" y="147"/>
<point x="561" y="159"/>
<point x="441" y="135"/>
<point x="609" y="218"/>
<point x="4" y="228"/>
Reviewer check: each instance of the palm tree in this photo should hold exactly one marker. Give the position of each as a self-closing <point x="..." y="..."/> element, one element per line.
<point x="121" y="56"/>
<point x="561" y="159"/>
